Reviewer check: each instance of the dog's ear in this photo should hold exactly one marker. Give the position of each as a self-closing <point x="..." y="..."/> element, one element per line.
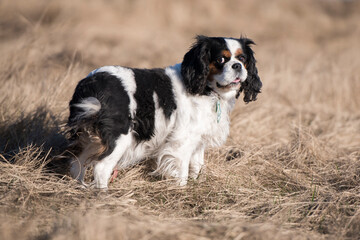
<point x="252" y="85"/>
<point x="195" y="66"/>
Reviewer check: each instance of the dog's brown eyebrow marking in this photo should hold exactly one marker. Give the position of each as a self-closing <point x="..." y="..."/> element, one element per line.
<point x="238" y="52"/>
<point x="226" y="53"/>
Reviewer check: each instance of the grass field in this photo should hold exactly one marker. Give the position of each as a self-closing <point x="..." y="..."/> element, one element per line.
<point x="290" y="168"/>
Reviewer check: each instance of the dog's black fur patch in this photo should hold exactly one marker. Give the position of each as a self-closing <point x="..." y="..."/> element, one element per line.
<point x="148" y="82"/>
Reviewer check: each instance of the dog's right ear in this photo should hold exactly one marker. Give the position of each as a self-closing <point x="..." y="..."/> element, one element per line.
<point x="252" y="85"/>
<point x="195" y="66"/>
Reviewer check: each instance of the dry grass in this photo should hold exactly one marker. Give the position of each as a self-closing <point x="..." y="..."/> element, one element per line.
<point x="290" y="169"/>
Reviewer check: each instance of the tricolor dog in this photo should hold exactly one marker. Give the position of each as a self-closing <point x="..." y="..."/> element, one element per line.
<point x="120" y="116"/>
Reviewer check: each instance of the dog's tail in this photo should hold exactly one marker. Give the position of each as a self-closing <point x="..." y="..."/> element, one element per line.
<point x="84" y="114"/>
<point x="80" y="128"/>
<point x="87" y="108"/>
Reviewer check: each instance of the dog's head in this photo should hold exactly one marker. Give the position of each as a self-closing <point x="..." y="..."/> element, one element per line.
<point x="224" y="65"/>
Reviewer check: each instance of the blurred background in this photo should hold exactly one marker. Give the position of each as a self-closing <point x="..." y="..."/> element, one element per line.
<point x="45" y="35"/>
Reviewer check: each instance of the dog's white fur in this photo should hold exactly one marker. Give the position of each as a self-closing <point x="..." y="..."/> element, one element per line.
<point x="179" y="142"/>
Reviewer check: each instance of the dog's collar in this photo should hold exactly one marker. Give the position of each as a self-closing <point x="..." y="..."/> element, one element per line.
<point x="211" y="92"/>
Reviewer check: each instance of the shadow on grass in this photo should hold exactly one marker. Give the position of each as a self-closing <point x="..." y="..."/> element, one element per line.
<point x="40" y="129"/>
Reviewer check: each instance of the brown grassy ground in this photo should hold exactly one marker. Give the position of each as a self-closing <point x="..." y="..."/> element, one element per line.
<point x="290" y="169"/>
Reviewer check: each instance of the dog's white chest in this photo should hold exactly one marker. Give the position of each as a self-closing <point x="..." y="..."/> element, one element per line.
<point x="210" y="120"/>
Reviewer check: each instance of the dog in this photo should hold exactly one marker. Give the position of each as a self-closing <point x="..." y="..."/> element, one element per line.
<point x="120" y="116"/>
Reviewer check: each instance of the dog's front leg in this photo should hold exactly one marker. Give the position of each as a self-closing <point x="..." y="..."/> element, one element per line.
<point x="174" y="161"/>
<point x="191" y="156"/>
<point x="184" y="169"/>
<point x="196" y="162"/>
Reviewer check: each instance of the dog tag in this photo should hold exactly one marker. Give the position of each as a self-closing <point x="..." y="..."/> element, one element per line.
<point x="218" y="110"/>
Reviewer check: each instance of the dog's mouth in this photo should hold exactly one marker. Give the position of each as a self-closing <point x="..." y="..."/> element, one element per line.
<point x="234" y="83"/>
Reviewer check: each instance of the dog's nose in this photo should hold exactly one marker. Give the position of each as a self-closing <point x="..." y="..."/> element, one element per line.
<point x="236" y="66"/>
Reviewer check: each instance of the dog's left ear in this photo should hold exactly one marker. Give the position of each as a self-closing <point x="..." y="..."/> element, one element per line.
<point x="195" y="66"/>
<point x="252" y="85"/>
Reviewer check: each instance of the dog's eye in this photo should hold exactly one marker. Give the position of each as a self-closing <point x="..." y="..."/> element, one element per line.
<point x="241" y="58"/>
<point x="220" y="60"/>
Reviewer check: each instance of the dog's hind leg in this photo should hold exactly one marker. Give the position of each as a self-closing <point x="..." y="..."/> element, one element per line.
<point x="78" y="167"/>
<point x="104" y="167"/>
<point x="79" y="164"/>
